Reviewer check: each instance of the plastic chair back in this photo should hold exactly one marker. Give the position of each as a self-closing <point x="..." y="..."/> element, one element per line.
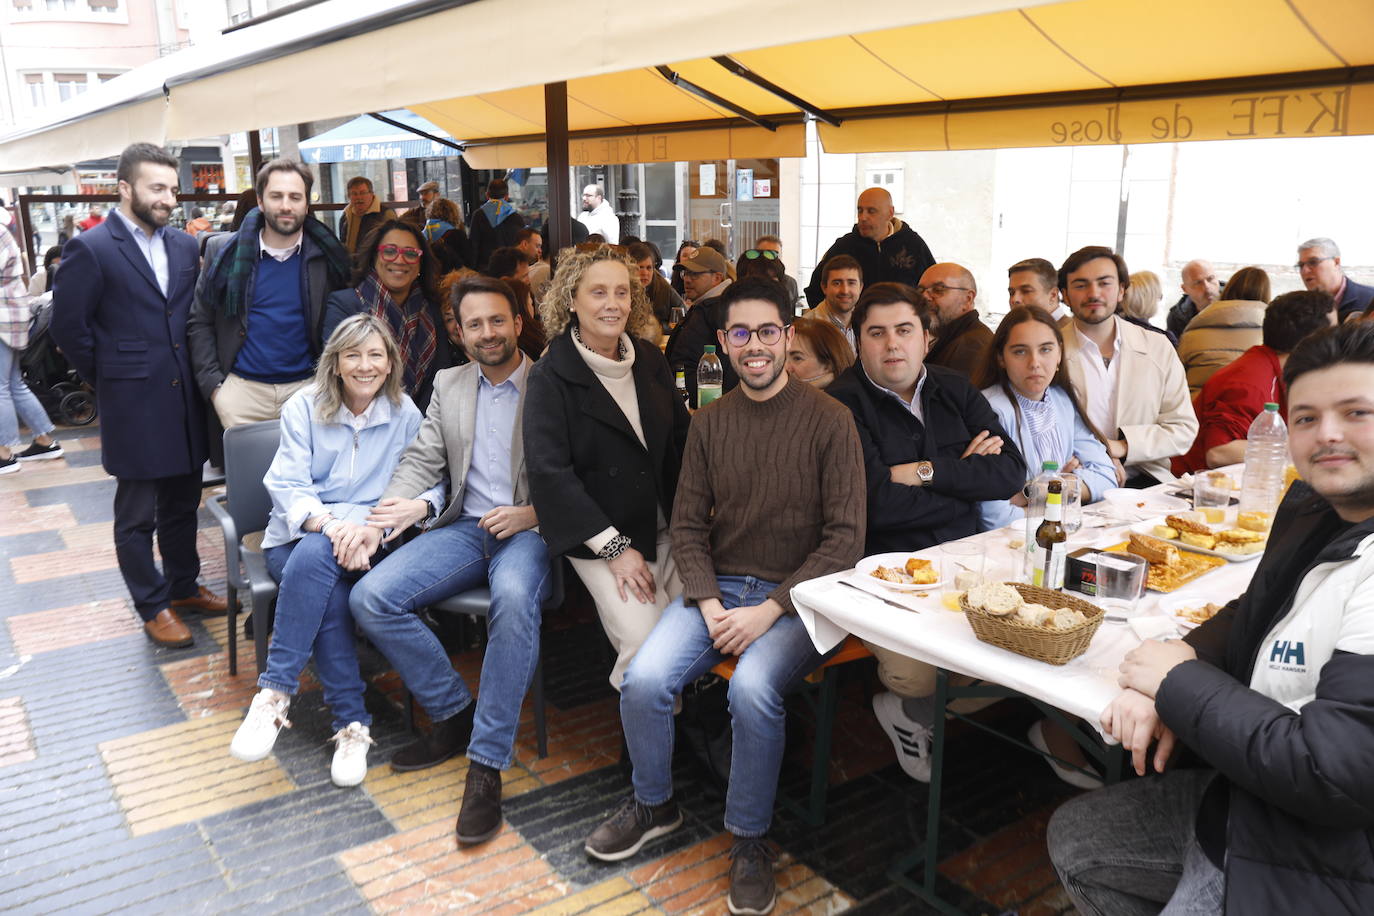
<point x="248" y="452"/>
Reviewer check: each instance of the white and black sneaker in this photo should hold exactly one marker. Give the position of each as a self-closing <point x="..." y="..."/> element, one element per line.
<point x="910" y="738"/>
<point x="9" y="465"/>
<point x="36" y="452"/>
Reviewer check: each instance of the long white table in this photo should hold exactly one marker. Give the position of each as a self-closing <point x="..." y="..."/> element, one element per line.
<point x="943" y="638"/>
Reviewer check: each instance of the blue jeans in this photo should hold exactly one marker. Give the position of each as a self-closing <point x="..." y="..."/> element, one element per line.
<point x="679" y="651"/>
<point x="313" y="617"/>
<point x="17" y="402"/>
<point x="437" y="565"/>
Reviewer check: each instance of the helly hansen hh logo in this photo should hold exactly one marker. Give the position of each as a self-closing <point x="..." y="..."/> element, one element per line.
<point x="1287" y="655"/>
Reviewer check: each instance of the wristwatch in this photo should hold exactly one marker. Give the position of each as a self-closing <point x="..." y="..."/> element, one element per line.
<point x="925" y="471"/>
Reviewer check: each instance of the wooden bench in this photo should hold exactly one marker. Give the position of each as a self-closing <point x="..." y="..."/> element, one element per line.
<point x="822" y="693"/>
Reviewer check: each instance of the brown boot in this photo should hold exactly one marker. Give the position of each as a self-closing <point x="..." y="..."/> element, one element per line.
<point x="167" y="630"/>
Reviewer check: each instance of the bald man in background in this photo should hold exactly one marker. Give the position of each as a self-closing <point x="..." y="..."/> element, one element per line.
<point x="960" y="335"/>
<point x="1200" y="289"/>
<point x="888" y="249"/>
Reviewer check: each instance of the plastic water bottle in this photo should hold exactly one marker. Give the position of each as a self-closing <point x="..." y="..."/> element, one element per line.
<point x="1266" y="456"/>
<point x="680" y="379"/>
<point x="711" y="377"/>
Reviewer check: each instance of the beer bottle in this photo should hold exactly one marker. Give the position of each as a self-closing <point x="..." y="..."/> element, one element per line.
<point x="1050" y="540"/>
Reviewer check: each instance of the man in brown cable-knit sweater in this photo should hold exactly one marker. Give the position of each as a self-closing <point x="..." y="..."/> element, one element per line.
<point x="771" y="493"/>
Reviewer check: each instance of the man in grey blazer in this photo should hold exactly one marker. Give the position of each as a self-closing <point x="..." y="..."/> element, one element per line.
<point x="484" y="536"/>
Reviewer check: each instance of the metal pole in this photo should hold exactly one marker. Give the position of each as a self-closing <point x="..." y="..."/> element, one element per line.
<point x="556" y="155"/>
<point x="254" y="154"/>
<point x="26" y="228"/>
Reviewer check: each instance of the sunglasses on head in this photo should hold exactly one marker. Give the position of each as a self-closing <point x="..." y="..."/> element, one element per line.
<point x="753" y="254"/>
<point x="392" y="252"/>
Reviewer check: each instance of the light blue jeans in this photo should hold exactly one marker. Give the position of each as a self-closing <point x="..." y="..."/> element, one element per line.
<point x="17" y="403"/>
<point x="439" y="564"/>
<point x="313" y="618"/>
<point x="677" y="652"/>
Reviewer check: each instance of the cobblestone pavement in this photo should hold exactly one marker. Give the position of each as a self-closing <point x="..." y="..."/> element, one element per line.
<point x="117" y="792"/>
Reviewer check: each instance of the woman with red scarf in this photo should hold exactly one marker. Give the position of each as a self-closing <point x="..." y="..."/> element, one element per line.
<point x="396" y="277"/>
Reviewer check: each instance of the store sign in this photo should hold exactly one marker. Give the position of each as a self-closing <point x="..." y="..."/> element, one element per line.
<point x="1322" y="111"/>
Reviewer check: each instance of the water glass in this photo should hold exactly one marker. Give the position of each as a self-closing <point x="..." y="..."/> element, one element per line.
<point x="1072" y="515"/>
<point x="961" y="568"/>
<point x="1212" y="496"/>
<point x="1120" y="583"/>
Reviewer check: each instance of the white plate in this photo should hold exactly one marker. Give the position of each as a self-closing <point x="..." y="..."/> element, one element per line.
<point x="863" y="571"/>
<point x="1172" y="604"/>
<point x="1138" y="502"/>
<point x="1149" y="528"/>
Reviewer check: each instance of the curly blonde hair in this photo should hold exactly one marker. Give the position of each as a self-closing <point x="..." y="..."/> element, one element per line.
<point x="556" y="307"/>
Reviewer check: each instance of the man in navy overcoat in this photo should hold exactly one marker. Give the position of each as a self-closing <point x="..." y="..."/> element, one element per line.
<point x="119" y="315"/>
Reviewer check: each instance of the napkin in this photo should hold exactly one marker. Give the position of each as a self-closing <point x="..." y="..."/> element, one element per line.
<point x="1154" y="627"/>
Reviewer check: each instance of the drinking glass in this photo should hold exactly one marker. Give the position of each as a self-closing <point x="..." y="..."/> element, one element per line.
<point x="1211" y="496"/>
<point x="675" y="316"/>
<point x="1072" y="516"/>
<point x="1120" y="583"/>
<point x="961" y="568"/>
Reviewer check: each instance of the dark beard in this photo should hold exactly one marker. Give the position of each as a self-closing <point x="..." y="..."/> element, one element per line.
<point x="155" y="218"/>
<point x="271" y="221"/>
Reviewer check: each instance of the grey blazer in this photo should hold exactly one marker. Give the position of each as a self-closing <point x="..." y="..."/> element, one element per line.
<point x="444" y="443"/>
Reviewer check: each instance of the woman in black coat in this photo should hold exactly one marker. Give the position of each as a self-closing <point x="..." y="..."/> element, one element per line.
<point x="395" y="277"/>
<point x="604" y="431"/>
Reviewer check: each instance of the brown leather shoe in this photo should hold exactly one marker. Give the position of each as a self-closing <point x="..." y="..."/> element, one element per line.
<point x="205" y="601"/>
<point x="167" y="630"/>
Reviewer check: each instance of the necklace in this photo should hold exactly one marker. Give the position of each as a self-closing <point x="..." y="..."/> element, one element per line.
<point x="620" y="344"/>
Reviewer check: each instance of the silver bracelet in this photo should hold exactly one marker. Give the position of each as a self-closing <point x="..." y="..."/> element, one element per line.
<point x="614" y="547"/>
<point x="324" y="528"/>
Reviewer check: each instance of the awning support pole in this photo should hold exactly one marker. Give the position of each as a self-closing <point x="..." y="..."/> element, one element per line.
<point x="749" y="76"/>
<point x="556" y="156"/>
<point x="687" y="85"/>
<point x="254" y="155"/>
<point x="415" y="130"/>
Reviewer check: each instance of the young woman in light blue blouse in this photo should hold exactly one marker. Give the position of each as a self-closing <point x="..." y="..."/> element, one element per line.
<point x="1023" y="379"/>
<point x="341" y="438"/>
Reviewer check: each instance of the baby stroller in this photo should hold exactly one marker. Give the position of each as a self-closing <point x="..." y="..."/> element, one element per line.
<point x="63" y="394"/>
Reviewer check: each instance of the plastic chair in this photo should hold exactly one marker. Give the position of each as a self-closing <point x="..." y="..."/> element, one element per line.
<point x="242" y="512"/>
<point x="477" y="603"/>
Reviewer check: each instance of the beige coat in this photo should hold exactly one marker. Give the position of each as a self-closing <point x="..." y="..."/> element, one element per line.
<point x="444" y="443"/>
<point x="1153" y="409"/>
<point x="1217" y="335"/>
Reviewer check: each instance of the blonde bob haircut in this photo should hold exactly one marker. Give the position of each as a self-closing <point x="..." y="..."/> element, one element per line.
<point x="1143" y="295"/>
<point x="352" y="332"/>
<point x="556" y="309"/>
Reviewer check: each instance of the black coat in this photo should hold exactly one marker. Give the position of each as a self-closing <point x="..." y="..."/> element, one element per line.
<point x="129" y="340"/>
<point x="900" y="258"/>
<point x="1356" y="300"/>
<point x="688" y="341"/>
<point x="902" y="517"/>
<point x="587" y="469"/>
<point x="1292" y="806"/>
<point x="345" y="302"/>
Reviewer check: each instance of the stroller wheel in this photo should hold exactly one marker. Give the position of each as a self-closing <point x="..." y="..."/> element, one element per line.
<point x="78" y="408"/>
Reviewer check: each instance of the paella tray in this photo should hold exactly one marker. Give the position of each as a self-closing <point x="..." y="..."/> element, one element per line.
<point x="1165" y="579"/>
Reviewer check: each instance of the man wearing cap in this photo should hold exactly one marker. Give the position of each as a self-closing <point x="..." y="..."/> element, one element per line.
<point x="703" y="280"/>
<point x="428" y="193"/>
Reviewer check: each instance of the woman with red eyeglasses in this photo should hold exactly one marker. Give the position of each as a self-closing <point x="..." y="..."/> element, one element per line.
<point x="396" y="277"/>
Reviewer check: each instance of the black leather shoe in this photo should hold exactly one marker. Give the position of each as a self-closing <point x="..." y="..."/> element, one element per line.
<point x="480" y="817"/>
<point x="446" y="739"/>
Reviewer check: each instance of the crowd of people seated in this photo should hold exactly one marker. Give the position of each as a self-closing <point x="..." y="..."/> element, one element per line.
<point x="457" y="411"/>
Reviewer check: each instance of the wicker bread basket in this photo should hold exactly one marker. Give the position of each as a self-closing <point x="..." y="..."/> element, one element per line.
<point x="1057" y="647"/>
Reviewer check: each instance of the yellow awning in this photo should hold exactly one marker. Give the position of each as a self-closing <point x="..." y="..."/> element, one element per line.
<point x="1074" y="73"/>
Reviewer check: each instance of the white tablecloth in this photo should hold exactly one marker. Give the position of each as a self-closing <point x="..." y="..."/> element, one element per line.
<point x="1083" y="687"/>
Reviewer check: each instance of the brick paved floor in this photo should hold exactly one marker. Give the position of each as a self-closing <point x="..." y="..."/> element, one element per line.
<point x="119" y="794"/>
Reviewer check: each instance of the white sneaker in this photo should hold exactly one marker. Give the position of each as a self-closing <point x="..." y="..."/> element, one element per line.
<point x="266" y="717"/>
<point x="910" y="739"/>
<point x="1073" y="777"/>
<point x="350" y="754"/>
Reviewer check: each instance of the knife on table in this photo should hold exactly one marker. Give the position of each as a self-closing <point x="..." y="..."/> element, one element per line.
<point x="856" y="588"/>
